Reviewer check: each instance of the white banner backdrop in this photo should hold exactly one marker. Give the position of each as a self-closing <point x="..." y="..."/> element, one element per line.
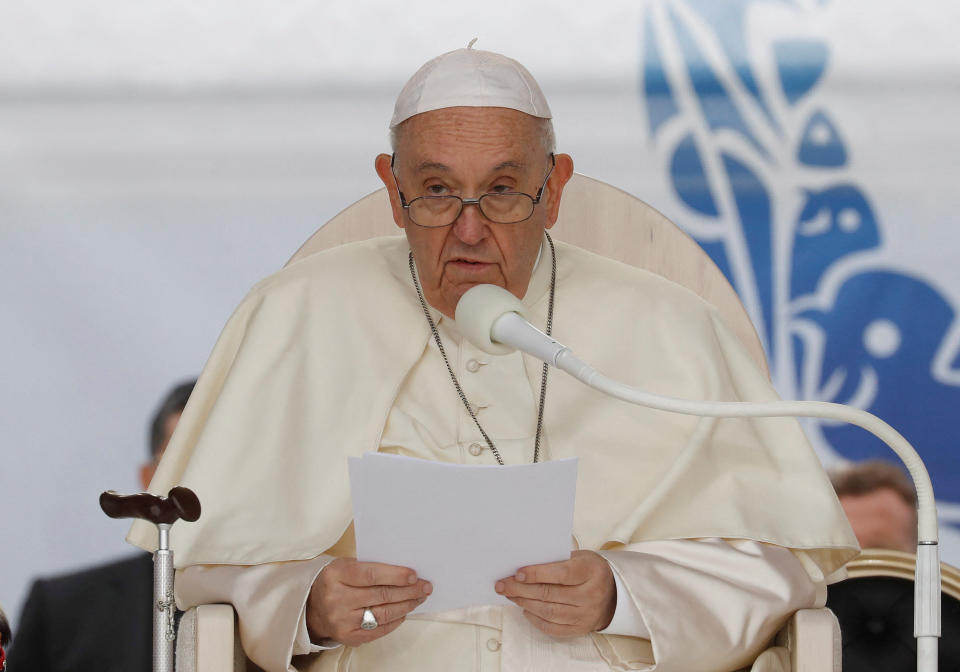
<point x="141" y="196"/>
<point x="817" y="175"/>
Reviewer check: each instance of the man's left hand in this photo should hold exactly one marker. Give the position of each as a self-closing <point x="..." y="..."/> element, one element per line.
<point x="565" y="599"/>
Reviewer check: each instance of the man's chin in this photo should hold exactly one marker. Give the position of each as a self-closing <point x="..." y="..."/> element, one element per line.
<point x="462" y="288"/>
<point x="455" y="292"/>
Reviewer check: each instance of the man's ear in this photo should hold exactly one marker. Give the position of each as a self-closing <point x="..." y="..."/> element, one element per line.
<point x="382" y="165"/>
<point x="562" y="172"/>
<point x="146" y="473"/>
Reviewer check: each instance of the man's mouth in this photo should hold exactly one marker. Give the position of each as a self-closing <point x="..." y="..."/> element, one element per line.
<point x="466" y="268"/>
<point x="468" y="262"/>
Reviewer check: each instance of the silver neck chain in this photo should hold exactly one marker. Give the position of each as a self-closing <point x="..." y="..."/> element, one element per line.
<point x="453" y="377"/>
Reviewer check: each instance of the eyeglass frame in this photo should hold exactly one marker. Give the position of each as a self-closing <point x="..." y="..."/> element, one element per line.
<point x="472" y="201"/>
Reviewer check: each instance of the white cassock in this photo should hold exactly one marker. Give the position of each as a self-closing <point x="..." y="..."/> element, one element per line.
<point x="332" y="357"/>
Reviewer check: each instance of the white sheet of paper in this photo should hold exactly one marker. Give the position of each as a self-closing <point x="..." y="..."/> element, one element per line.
<point x="461" y="527"/>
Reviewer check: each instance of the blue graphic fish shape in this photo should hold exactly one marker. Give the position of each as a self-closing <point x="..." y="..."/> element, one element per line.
<point x="834" y="222"/>
<point x="882" y="334"/>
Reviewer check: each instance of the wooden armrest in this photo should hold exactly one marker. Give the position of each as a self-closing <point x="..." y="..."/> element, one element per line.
<point x="207" y="640"/>
<point x="812" y="637"/>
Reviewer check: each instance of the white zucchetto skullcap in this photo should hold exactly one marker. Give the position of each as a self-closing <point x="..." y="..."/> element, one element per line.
<point x="470" y="78"/>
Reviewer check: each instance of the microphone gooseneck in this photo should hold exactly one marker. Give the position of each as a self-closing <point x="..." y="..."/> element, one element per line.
<point x="494" y="320"/>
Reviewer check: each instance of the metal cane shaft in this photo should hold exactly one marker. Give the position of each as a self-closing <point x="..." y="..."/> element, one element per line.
<point x="164" y="633"/>
<point x="180" y="504"/>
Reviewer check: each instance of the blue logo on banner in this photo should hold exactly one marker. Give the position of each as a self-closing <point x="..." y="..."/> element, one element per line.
<point x="763" y="173"/>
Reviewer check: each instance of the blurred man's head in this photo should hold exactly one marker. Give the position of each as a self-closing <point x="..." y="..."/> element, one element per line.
<point x="880" y="502"/>
<point x="161" y="427"/>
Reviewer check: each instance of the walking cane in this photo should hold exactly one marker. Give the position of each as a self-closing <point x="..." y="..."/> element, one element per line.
<point x="163" y="512"/>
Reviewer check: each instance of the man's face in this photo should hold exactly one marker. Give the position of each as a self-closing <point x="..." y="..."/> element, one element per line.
<point x="882" y="519"/>
<point x="468" y="152"/>
<point x="148" y="468"/>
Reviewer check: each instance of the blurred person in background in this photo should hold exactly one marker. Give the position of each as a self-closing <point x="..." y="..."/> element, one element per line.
<point x="880" y="502"/>
<point x="99" y="618"/>
<point x="4" y="639"/>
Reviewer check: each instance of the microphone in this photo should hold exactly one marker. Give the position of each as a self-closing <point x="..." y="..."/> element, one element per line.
<point x="494" y="320"/>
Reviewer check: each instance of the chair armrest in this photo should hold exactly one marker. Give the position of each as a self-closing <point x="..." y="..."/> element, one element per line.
<point x="207" y="640"/>
<point x="812" y="636"/>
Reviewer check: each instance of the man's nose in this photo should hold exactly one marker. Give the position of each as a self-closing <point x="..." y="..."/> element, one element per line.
<point x="471" y="226"/>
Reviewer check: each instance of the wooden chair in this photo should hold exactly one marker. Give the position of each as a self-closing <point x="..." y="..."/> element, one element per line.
<point x="615" y="224"/>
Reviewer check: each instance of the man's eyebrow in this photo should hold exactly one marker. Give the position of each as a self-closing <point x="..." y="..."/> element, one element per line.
<point x="432" y="165"/>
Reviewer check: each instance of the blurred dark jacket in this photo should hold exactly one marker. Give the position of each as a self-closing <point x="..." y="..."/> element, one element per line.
<point x="96" y="619"/>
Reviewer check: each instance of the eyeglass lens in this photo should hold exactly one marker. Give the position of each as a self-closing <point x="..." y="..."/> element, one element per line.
<point x="443" y="210"/>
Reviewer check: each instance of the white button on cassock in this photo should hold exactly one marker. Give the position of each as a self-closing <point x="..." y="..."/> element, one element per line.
<point x="473" y="365"/>
<point x="475" y="449"/>
<point x="493" y="644"/>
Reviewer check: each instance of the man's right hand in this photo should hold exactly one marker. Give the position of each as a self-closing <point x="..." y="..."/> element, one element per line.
<point x="346" y="587"/>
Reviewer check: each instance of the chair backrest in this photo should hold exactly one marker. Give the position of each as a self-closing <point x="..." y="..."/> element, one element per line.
<point x="900" y="565"/>
<point x="874" y="606"/>
<point x="596" y="217"/>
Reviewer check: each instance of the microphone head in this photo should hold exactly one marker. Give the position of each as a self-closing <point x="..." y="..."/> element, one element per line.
<point x="481" y="306"/>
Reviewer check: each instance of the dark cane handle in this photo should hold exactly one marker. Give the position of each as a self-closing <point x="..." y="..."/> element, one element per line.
<point x="180" y="503"/>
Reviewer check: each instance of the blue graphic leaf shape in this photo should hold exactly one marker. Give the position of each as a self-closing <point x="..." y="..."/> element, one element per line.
<point x="801" y="63"/>
<point x="690" y="179"/>
<point x="833" y="223"/>
<point x="755" y="212"/>
<point x="717" y="251"/>
<point x="658" y="96"/>
<point x="728" y="20"/>
<point x="715" y="102"/>
<point x="820" y="143"/>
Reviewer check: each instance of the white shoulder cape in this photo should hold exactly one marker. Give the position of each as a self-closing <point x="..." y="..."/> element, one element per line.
<point x="307" y="369"/>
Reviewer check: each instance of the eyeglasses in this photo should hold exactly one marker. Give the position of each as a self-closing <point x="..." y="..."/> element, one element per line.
<point x="508" y="207"/>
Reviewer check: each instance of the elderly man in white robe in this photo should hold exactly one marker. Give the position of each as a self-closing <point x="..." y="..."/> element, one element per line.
<point x="694" y="540"/>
